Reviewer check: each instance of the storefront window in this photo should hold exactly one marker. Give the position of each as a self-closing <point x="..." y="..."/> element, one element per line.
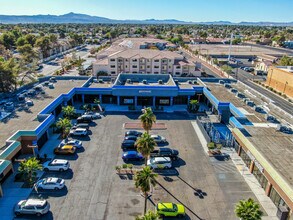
<point x="276" y="198"/>
<point x="245" y="158"/>
<point x="260" y="177"/>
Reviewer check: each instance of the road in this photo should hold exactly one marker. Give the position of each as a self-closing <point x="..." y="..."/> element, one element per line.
<point x="245" y="78"/>
<point x="281" y="50"/>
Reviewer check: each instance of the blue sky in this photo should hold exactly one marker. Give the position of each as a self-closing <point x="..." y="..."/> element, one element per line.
<point x="187" y="10"/>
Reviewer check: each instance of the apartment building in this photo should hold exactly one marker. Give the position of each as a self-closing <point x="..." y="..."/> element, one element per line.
<point x="146" y="61"/>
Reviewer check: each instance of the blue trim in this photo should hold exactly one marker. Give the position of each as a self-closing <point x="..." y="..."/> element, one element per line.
<point x="236" y="112"/>
<point x="235" y="123"/>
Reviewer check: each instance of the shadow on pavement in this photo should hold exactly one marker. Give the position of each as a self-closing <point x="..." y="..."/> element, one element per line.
<point x="47" y="216"/>
<point x="68" y="174"/>
<point x="45" y="194"/>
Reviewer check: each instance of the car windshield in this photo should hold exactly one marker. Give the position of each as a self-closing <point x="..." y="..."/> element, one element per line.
<point x="42" y="206"/>
<point x="175" y="207"/>
<point x="22" y="204"/>
<point x="59" y="180"/>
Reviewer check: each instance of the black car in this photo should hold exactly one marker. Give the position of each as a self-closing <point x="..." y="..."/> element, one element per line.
<point x="131" y="137"/>
<point x="133" y="133"/>
<point x="128" y="145"/>
<point x="81" y="125"/>
<point x="165" y="152"/>
<point x="84" y="119"/>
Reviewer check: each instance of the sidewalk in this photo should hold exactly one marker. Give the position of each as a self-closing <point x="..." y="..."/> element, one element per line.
<point x="249" y="178"/>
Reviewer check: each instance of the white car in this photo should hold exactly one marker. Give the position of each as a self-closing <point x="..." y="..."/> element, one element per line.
<point x="78" y="132"/>
<point x="158" y="139"/>
<point x="56" y="165"/>
<point x="32" y="206"/>
<point x="94" y="115"/>
<point x="72" y="142"/>
<point x="160" y="162"/>
<point x="50" y="183"/>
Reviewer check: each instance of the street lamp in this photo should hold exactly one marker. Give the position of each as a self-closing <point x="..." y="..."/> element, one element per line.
<point x="285" y="87"/>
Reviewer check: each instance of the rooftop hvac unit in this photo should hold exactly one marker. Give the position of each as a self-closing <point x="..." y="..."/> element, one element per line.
<point x="144" y="81"/>
<point x="284" y="129"/>
<point x="258" y="108"/>
<point x="240" y="95"/>
<point x="189" y="81"/>
<point x="227" y="85"/>
<point x="221" y="81"/>
<point x="101" y="80"/>
<point x="194" y="82"/>
<point x="128" y="80"/>
<point x="250" y="103"/>
<point x="233" y="90"/>
<point x="160" y="81"/>
<point x="245" y="100"/>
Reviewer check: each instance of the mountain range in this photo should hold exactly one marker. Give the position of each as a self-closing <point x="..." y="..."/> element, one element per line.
<point x="83" y="19"/>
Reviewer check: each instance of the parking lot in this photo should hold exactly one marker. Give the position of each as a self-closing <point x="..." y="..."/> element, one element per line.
<point x="208" y="188"/>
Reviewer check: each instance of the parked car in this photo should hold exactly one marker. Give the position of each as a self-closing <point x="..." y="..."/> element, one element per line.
<point x="65" y="149"/>
<point x="29" y="102"/>
<point x="84" y="119"/>
<point x="32" y="206"/>
<point x="169" y="209"/>
<point x="165" y="152"/>
<point x="133" y="133"/>
<point x="81" y="125"/>
<point x="159" y="139"/>
<point x="50" y="183"/>
<point x="132" y="155"/>
<point x="78" y="132"/>
<point x="128" y="144"/>
<point x="160" y="162"/>
<point x="51" y="86"/>
<point x="94" y="115"/>
<point x="56" y="165"/>
<point x="73" y="142"/>
<point x="134" y="138"/>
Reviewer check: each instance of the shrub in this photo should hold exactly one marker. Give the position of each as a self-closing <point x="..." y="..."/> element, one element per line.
<point x="124" y="166"/>
<point x="211" y="145"/>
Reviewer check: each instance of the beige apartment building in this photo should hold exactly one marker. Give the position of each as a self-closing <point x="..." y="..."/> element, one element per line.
<point x="146" y="61"/>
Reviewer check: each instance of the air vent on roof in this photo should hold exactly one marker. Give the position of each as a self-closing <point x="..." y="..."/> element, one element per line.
<point x="227" y="85"/>
<point x="144" y="81"/>
<point x="259" y="109"/>
<point x="160" y="81"/>
<point x="194" y="82"/>
<point x="189" y="81"/>
<point x="101" y="80"/>
<point x="240" y="95"/>
<point x="221" y="81"/>
<point x="270" y="118"/>
<point x="128" y="81"/>
<point x="250" y="103"/>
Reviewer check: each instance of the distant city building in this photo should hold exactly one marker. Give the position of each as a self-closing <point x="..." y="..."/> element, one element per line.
<point x="281" y="79"/>
<point x="288" y="44"/>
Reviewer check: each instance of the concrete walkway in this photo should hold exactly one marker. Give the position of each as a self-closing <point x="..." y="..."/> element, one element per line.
<point x="249" y="178"/>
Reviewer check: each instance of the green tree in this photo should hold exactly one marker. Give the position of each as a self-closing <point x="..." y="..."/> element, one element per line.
<point x="31" y="39"/>
<point x="68" y="111"/>
<point x="21" y="41"/>
<point x="194" y="104"/>
<point x="44" y="44"/>
<point x="29" y="169"/>
<point x="9" y="71"/>
<point x="248" y="210"/>
<point x="286" y="61"/>
<point x="64" y="124"/>
<point x="28" y="53"/>
<point x="228" y="69"/>
<point x="150" y="215"/>
<point x="145" y="145"/>
<point x="144" y="179"/>
<point x="147" y="119"/>
<point x="8" y="40"/>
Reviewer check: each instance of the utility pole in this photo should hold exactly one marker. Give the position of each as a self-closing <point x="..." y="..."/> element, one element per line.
<point x="229" y="56"/>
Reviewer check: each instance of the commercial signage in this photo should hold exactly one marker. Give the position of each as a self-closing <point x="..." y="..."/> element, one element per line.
<point x="145" y="91"/>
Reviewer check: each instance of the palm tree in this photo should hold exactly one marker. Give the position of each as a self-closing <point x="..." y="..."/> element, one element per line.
<point x="194" y="104"/>
<point x="29" y="167"/>
<point x="144" y="179"/>
<point x="64" y="124"/>
<point x="248" y="210"/>
<point x="68" y="111"/>
<point x="150" y="215"/>
<point x="145" y="145"/>
<point x="147" y="119"/>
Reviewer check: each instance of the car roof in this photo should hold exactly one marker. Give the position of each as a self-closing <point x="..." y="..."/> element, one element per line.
<point x="67" y="147"/>
<point x="166" y="159"/>
<point x="126" y="141"/>
<point x="34" y="202"/>
<point x="165" y="149"/>
<point x="80" y="129"/>
<point x="166" y="205"/>
<point x="131" y="152"/>
<point x="57" y="161"/>
<point x="51" y="179"/>
<point x="155" y="136"/>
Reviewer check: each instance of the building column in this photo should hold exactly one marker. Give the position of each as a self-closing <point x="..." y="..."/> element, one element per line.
<point x="251" y="166"/>
<point x="100" y="98"/>
<point x="268" y="189"/>
<point x="239" y="151"/>
<point x="118" y="100"/>
<point x="72" y="101"/>
<point x="54" y="112"/>
<point x="82" y="98"/>
<point x="135" y="101"/>
<point x="154" y="101"/>
<point x="171" y="101"/>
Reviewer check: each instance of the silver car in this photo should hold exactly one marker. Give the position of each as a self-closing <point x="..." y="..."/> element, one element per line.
<point x="32" y="206"/>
